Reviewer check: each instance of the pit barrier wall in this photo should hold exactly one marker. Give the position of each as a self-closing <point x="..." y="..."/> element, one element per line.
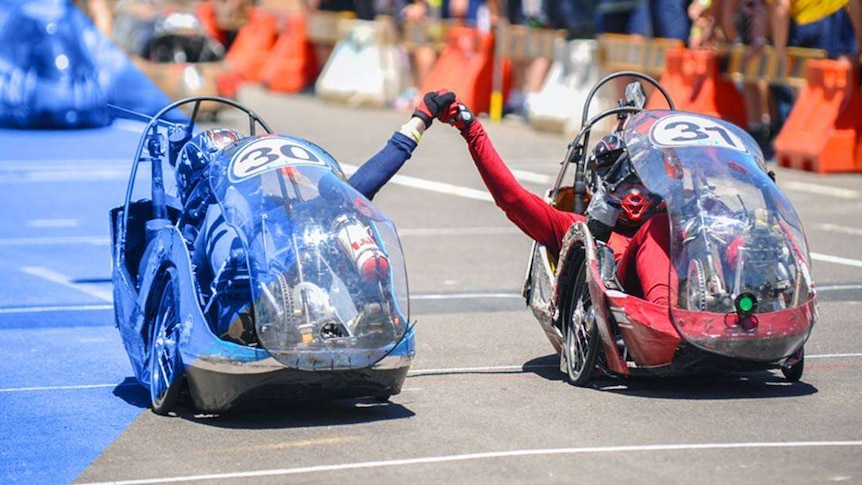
<point x="289" y="49"/>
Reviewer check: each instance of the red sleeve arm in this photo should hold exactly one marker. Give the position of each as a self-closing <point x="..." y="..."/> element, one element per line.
<point x="528" y="211"/>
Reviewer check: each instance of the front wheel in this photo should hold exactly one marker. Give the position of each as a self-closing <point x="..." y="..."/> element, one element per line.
<point x="580" y="335"/>
<point x="166" y="370"/>
<point x="794" y="366"/>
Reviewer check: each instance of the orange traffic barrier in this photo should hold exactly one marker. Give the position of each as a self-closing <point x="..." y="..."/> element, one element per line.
<point x="228" y="84"/>
<point x="466" y="66"/>
<point x="207" y="15"/>
<point x="253" y="43"/>
<point x="292" y="64"/>
<point x="822" y="132"/>
<point x="695" y="83"/>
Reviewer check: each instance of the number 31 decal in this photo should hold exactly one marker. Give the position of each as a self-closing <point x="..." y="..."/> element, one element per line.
<point x="688" y="130"/>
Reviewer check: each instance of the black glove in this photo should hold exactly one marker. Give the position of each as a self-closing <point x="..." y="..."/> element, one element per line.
<point x="602" y="213"/>
<point x="432" y="104"/>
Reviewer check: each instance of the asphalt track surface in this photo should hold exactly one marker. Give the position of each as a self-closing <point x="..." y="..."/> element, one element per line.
<point x="484" y="402"/>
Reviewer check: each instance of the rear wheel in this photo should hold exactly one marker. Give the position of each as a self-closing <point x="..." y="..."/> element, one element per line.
<point x="166" y="370"/>
<point x="580" y="334"/>
<point x="696" y="286"/>
<point x="795" y="366"/>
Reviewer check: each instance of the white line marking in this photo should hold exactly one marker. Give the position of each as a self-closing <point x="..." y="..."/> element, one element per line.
<point x="55" y="277"/>
<point x="482" y="195"/>
<point x="22" y="171"/>
<point x="820" y="189"/>
<point x="52" y="223"/>
<point x="61" y="164"/>
<point x="832" y="356"/>
<point x="53" y="241"/>
<point x="132" y="126"/>
<point x="853" y="231"/>
<point x="533" y="177"/>
<point x="81" y="308"/>
<point x="463" y="296"/>
<point x="477" y="370"/>
<point x="413" y="373"/>
<point x="419" y="296"/>
<point x="61" y="388"/>
<point x="429" y="185"/>
<point x="64" y="176"/>
<point x="459" y="231"/>
<point x="46" y="309"/>
<point x="839" y="288"/>
<point x="442" y="188"/>
<point x="836" y="260"/>
<point x="492" y="455"/>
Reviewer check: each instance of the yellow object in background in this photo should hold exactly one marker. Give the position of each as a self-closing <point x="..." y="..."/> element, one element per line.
<point x="807" y="11"/>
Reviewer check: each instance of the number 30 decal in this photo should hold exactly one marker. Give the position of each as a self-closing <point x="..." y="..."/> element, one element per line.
<point x="268" y="154"/>
<point x="689" y="130"/>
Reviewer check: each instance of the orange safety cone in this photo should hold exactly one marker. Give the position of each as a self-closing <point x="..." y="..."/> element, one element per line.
<point x="466" y="66"/>
<point x="292" y="64"/>
<point x="253" y="43"/>
<point x="822" y="132"/>
<point x="694" y="81"/>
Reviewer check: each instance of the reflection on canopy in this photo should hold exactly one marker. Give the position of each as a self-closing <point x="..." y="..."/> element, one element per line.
<point x="733" y="234"/>
<point x="328" y="277"/>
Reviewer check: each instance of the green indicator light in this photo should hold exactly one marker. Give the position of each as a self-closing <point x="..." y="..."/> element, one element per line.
<point x="745" y="304"/>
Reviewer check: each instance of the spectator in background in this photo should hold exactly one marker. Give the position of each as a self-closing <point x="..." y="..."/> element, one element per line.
<point x="706" y="23"/>
<point x="231" y="16"/>
<point x="473" y="13"/>
<point x="828" y="25"/>
<point x="576" y="17"/>
<point x="417" y="14"/>
<point x="738" y="21"/>
<point x="619" y="17"/>
<point x="667" y="19"/>
<point x="819" y="25"/>
<point x="331" y="5"/>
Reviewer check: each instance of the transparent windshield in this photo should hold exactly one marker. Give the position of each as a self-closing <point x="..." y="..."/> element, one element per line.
<point x="737" y="245"/>
<point x="328" y="277"/>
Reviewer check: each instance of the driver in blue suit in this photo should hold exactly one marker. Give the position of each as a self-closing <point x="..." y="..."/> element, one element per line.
<point x="216" y="245"/>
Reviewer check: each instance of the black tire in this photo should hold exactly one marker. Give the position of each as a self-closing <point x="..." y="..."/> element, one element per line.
<point x="580" y="334"/>
<point x="793" y="372"/>
<point x="166" y="370"/>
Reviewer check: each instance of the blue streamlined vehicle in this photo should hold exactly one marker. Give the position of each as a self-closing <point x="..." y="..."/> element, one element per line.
<point x="49" y="77"/>
<point x="246" y="269"/>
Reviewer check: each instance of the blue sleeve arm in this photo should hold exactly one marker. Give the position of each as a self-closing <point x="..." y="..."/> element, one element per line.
<point x="374" y="173"/>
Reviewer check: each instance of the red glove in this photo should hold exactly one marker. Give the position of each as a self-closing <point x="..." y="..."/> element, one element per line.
<point x="458" y="115"/>
<point x="432" y="104"/>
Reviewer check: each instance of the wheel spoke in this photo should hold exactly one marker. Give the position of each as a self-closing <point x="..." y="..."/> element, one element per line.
<point x="580" y="348"/>
<point x="165" y="366"/>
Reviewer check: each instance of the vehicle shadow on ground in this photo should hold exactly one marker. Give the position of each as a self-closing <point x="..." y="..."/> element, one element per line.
<point x="547" y="367"/>
<point x="307" y="414"/>
<point x="311" y="414"/>
<point x="748" y="385"/>
<point x="133" y="393"/>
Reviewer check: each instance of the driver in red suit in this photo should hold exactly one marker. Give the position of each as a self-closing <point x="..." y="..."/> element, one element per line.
<point x="621" y="207"/>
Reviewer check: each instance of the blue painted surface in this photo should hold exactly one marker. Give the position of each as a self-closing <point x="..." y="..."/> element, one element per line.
<point x="73" y="71"/>
<point x="56" y="188"/>
<point x="51" y="435"/>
